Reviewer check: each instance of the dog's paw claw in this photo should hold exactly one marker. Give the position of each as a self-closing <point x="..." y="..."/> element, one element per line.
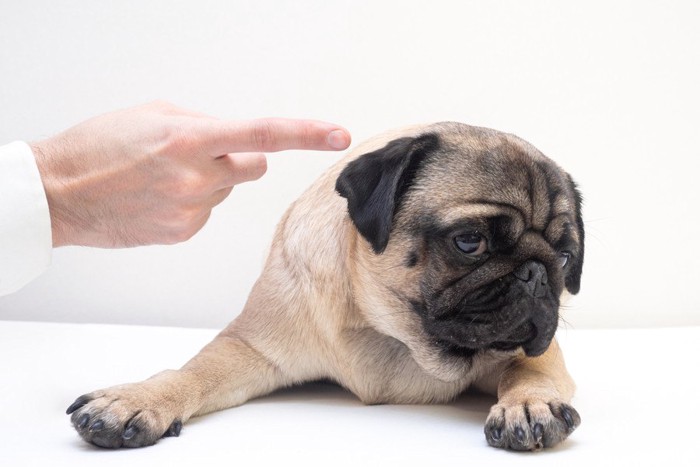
<point x="569" y="415"/>
<point x="494" y="433"/>
<point x="130" y="432"/>
<point x="519" y="434"/>
<point x="538" y="431"/>
<point x="174" y="429"/>
<point x="79" y="402"/>
<point x="82" y="421"/>
<point x="97" y="426"/>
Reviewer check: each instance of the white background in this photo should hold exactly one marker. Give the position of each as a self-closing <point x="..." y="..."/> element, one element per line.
<point x="607" y="89"/>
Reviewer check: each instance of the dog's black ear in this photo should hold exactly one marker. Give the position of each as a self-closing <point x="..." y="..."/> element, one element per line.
<point x="375" y="182"/>
<point x="573" y="278"/>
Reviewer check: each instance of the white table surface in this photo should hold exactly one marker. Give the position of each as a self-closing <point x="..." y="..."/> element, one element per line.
<point x="638" y="396"/>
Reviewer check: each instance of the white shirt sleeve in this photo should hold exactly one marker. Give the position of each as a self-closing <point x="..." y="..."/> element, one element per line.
<point x="25" y="222"/>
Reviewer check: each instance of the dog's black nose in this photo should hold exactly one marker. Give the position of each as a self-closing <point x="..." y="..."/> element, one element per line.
<point x="534" y="275"/>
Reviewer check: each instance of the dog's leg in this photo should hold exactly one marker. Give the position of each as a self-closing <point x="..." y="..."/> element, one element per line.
<point x="226" y="372"/>
<point x="533" y="408"/>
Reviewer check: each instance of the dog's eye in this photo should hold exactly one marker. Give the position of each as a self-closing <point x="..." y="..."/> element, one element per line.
<point x="471" y="243"/>
<point x="564" y="258"/>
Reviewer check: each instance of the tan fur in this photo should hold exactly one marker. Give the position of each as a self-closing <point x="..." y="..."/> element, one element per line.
<point x="324" y="308"/>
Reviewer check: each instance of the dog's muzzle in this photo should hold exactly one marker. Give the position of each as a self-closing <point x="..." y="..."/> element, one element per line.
<point x="520" y="310"/>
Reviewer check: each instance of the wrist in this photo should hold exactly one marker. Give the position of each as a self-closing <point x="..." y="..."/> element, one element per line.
<point x="43" y="156"/>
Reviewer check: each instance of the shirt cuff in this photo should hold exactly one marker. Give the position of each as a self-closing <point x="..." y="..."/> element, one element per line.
<point x="25" y="222"/>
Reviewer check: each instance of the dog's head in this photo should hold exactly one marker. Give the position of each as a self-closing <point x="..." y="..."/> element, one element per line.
<point x="472" y="230"/>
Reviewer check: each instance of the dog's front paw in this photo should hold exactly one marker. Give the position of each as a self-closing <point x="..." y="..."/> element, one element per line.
<point x="132" y="415"/>
<point x="530" y="425"/>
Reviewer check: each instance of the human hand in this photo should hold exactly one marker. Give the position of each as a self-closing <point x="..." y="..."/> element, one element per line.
<point x="152" y="174"/>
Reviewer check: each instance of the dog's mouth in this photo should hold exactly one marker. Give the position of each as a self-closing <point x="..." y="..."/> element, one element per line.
<point x="514" y="320"/>
<point x="527" y="336"/>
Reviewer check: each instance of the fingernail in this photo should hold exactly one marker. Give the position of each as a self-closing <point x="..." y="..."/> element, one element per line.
<point x="338" y="139"/>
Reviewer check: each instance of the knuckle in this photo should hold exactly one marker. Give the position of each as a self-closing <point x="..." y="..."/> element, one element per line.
<point x="172" y="138"/>
<point x="258" y="167"/>
<point x="181" y="236"/>
<point x="246" y="167"/>
<point x="307" y="137"/>
<point x="175" y="139"/>
<point x="191" y="184"/>
<point x="183" y="225"/>
<point x="167" y="139"/>
<point x="263" y="135"/>
<point x="162" y="106"/>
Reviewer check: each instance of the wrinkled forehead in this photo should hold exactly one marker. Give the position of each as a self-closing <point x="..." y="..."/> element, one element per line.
<point x="482" y="173"/>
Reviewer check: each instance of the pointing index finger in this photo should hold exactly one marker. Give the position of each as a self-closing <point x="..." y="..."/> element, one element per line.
<point x="273" y="134"/>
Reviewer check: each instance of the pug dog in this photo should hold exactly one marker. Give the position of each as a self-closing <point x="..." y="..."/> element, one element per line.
<point x="427" y="261"/>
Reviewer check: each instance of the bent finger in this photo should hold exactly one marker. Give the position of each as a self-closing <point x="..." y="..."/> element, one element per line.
<point x="219" y="196"/>
<point x="241" y="167"/>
